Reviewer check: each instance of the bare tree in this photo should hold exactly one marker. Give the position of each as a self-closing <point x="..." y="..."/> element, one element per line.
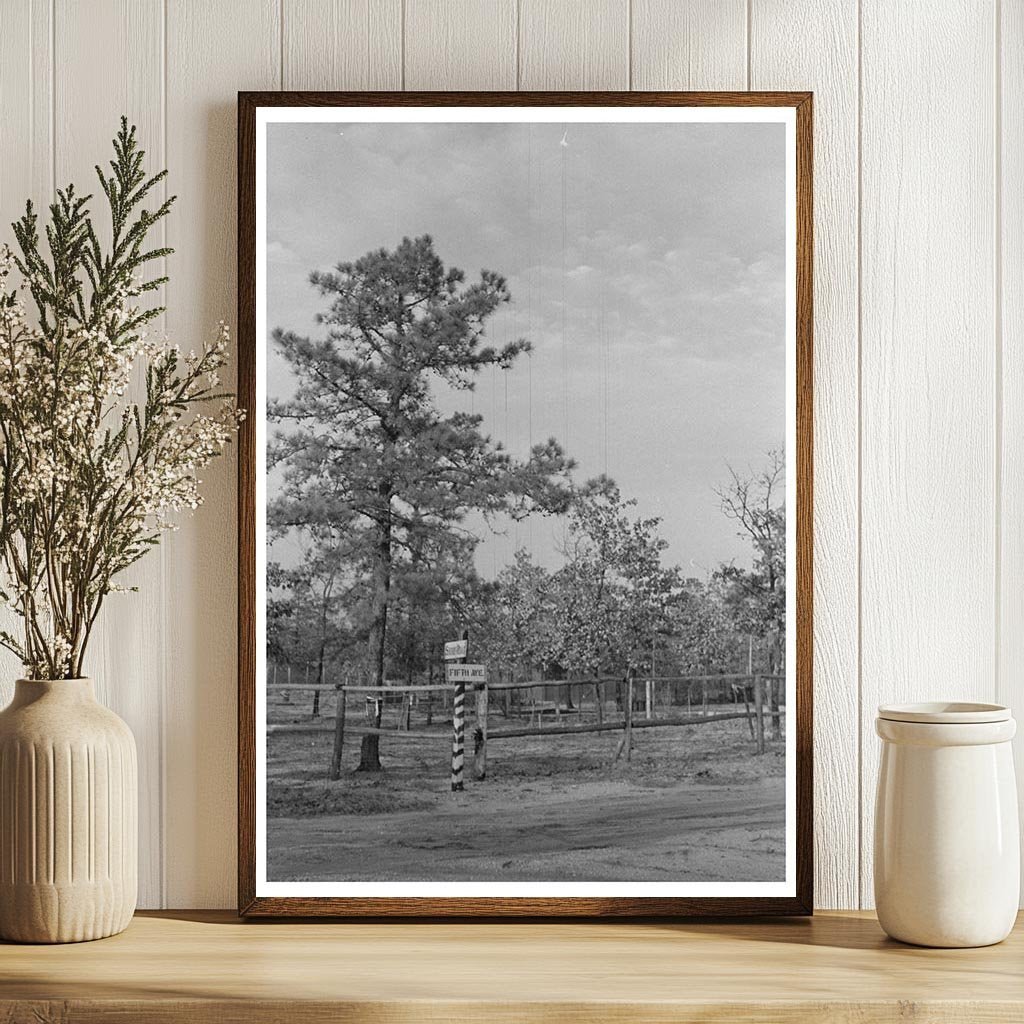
<point x="757" y="503"/>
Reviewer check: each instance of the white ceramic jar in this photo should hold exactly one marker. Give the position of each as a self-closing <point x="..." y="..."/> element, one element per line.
<point x="947" y="850"/>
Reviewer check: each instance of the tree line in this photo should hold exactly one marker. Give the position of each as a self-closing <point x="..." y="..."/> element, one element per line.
<point x="378" y="489"/>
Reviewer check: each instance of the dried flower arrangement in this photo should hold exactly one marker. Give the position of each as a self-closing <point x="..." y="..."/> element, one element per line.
<point x="92" y="469"/>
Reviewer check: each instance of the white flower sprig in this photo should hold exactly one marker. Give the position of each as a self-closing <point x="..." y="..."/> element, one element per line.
<point x="90" y="477"/>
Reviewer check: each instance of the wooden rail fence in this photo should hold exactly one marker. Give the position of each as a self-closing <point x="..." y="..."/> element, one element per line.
<point x="754" y="712"/>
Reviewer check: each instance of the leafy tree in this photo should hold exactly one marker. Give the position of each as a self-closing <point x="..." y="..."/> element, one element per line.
<point x="434" y="587"/>
<point x="283" y="644"/>
<point x="307" y="611"/>
<point x="365" y="430"/>
<point x="517" y="626"/>
<point x="613" y="594"/>
<point x="705" y="628"/>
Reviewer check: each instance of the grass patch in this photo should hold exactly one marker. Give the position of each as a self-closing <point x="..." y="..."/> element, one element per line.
<point x="312" y="799"/>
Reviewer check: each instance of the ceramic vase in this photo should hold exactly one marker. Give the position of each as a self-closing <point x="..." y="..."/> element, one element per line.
<point x="947" y="848"/>
<point x="68" y="814"/>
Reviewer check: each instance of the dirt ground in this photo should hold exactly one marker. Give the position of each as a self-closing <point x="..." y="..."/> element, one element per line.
<point x="694" y="804"/>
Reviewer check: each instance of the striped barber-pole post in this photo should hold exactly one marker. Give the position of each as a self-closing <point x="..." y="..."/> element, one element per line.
<point x="459" y="716"/>
<point x="458" y="736"/>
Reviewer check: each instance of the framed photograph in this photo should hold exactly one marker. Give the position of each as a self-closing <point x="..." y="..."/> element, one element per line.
<point x="525" y="504"/>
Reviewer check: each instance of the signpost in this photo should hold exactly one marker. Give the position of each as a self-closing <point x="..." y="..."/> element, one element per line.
<point x="466" y="673"/>
<point x="456" y="650"/>
<point x="459" y="671"/>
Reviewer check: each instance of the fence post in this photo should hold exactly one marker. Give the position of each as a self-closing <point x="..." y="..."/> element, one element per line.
<point x="759" y="712"/>
<point x="777" y="689"/>
<point x="648" y="698"/>
<point x="480" y="735"/>
<point x="430" y="682"/>
<point x="630" y="680"/>
<point x="339" y="733"/>
<point x="626" y="743"/>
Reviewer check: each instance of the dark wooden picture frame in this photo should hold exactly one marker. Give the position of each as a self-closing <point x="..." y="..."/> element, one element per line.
<point x="250" y="904"/>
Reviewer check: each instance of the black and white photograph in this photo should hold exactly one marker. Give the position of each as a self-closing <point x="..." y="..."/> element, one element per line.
<point x="525" y="498"/>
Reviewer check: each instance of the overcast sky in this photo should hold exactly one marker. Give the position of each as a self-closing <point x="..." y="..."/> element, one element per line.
<point x="647" y="267"/>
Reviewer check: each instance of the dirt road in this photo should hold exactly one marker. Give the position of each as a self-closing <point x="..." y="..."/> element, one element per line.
<point x="611" y="829"/>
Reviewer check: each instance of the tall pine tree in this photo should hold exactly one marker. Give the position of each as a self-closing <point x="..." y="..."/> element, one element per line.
<point x="366" y="440"/>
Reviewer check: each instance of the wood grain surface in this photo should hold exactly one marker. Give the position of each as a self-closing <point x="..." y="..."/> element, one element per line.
<point x="574" y="44"/>
<point x="831" y="72"/>
<point x="1009" y="258"/>
<point x="341" y="44"/>
<point x="928" y="368"/>
<point x="690" y="44"/>
<point x="209" y="967"/>
<point x="226" y="46"/>
<point x="468" y="45"/>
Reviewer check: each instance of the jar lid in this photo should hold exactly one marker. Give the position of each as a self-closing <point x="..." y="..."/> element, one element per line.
<point x="945" y="713"/>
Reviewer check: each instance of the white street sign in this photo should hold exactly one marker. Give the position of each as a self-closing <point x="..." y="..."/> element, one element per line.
<point x="455" y="649"/>
<point x="466" y="673"/>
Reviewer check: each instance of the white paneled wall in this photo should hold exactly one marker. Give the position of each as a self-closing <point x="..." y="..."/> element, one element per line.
<point x="919" y="324"/>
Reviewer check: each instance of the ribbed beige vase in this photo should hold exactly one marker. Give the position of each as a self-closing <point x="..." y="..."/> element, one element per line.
<point x="68" y="813"/>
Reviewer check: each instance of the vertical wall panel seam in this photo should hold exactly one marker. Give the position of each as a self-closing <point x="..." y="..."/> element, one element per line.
<point x="162" y="697"/>
<point x="859" y="866"/>
<point x="33" y="170"/>
<point x="402" y="43"/>
<point x="747" y="43"/>
<point x="997" y="325"/>
<point x="519" y="48"/>
<point x="53" y="99"/>
<point x="629" y="44"/>
<point x="32" y="92"/>
<point x="280" y="44"/>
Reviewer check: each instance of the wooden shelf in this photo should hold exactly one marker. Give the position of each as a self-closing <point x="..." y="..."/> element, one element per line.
<point x="204" y="967"/>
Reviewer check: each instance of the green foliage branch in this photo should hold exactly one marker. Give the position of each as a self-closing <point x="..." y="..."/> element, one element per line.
<point x="102" y="429"/>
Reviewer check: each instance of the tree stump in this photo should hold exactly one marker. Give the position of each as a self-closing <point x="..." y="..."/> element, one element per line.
<point x="369" y="754"/>
<point x="369" y="749"/>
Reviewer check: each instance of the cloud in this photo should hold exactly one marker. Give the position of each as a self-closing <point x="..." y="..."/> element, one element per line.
<point x="278" y="252"/>
<point x="579" y="272"/>
<point x="658" y="283"/>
